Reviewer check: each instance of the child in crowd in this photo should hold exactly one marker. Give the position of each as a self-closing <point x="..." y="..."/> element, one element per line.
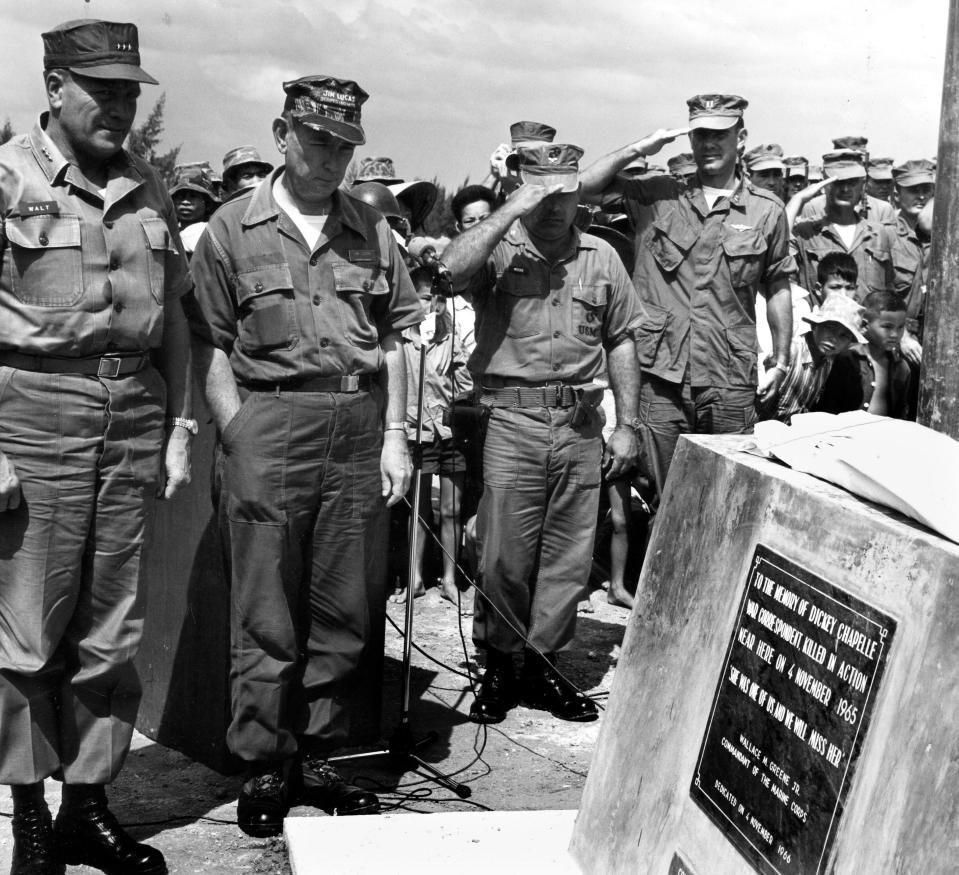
<point x="873" y="375"/>
<point x="835" y="327"/>
<point x="445" y="377"/>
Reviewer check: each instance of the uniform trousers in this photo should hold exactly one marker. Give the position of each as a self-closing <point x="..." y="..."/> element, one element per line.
<point x="671" y="409"/>
<point x="535" y="526"/>
<point x="87" y="452"/>
<point x="301" y="484"/>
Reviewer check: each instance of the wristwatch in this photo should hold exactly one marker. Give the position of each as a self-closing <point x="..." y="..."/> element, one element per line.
<point x="635" y="423"/>
<point x="191" y="425"/>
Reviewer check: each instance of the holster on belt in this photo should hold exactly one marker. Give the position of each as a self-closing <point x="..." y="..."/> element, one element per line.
<point x="588" y="400"/>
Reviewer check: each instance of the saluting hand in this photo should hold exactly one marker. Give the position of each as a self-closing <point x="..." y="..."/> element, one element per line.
<point x="652" y="143"/>
<point x="529" y="196"/>
<point x="810" y="191"/>
<point x="9" y="484"/>
<point x="497" y="161"/>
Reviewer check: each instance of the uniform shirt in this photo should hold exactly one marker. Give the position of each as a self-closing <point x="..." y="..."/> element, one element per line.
<point x="283" y="311"/>
<point x="872" y="246"/>
<point x="83" y="273"/>
<point x="910" y="257"/>
<point x="803" y="382"/>
<point x="698" y="271"/>
<point x="537" y="322"/>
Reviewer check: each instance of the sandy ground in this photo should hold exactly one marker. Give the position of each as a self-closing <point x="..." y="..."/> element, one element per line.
<point x="531" y="761"/>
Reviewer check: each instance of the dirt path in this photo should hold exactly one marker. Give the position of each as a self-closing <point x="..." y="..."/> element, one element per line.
<point x="530" y="761"/>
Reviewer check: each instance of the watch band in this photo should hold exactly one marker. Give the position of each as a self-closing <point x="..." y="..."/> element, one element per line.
<point x="395" y="426"/>
<point x="191" y="425"/>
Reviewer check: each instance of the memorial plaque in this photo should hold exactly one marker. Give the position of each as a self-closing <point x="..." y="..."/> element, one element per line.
<point x="789" y="716"/>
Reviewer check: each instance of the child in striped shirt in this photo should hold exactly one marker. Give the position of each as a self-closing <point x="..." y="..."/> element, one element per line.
<point x="836" y="324"/>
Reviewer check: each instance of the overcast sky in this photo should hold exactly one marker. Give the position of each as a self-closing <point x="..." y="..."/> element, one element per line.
<point x="448" y="77"/>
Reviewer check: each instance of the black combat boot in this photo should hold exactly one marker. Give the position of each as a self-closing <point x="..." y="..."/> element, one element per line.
<point x="88" y="834"/>
<point x="497" y="693"/>
<point x="545" y="689"/>
<point x="34" y="846"/>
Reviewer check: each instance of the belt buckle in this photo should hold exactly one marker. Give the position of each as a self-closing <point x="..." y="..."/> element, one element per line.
<point x="109" y="366"/>
<point x="350" y="383"/>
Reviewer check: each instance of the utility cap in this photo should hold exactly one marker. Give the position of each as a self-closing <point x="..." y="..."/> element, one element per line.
<point x="325" y="103"/>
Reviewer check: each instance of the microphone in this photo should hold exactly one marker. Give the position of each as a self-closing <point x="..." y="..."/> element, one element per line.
<point x="425" y="252"/>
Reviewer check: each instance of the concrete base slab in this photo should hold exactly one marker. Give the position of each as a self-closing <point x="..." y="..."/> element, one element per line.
<point x="530" y="842"/>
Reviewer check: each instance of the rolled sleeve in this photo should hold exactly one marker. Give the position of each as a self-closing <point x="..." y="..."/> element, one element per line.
<point x="211" y="310"/>
<point x="780" y="261"/>
<point x="625" y="312"/>
<point x="403" y="308"/>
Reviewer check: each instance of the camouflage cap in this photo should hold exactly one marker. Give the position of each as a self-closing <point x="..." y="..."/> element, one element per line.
<point x="376" y="170"/>
<point x="683" y="164"/>
<point x="920" y="171"/>
<point x="325" y="103"/>
<point x="843" y="164"/>
<point x="530" y="134"/>
<point x="243" y="155"/>
<point x="550" y="164"/>
<point x="768" y="156"/>
<point x="796" y="165"/>
<point x="857" y="143"/>
<point x="99" y="49"/>
<point x="879" y="168"/>
<point x="196" y="177"/>
<point x="715" y="112"/>
<point x="842" y="309"/>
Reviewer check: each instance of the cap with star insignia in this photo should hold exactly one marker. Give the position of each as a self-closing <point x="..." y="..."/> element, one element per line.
<point x="98" y="49"/>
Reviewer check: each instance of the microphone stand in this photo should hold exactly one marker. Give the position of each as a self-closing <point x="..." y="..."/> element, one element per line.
<point x="402" y="749"/>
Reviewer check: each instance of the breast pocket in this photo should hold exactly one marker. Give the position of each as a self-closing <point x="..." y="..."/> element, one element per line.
<point x="519" y="302"/>
<point x="669" y="239"/>
<point x="46" y="268"/>
<point x="588" y="313"/>
<point x="267" y="314"/>
<point x="745" y="251"/>
<point x="160" y="247"/>
<point x="358" y="288"/>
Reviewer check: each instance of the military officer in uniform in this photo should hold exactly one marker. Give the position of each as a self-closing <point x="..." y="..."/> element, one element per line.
<point x="94" y="414"/>
<point x="554" y="307"/>
<point x="301" y="298"/>
<point x="703" y="253"/>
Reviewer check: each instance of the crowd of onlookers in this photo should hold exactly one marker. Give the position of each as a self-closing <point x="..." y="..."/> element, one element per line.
<point x="860" y="231"/>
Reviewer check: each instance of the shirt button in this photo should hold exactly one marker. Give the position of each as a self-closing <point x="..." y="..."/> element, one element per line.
<point x="316" y="299"/>
<point x="325" y="342"/>
<point x="315" y="260"/>
<point x="555" y="334"/>
<point x="118" y="306"/>
<point x="114" y="264"/>
<point x="44" y="240"/>
<point x="555" y="302"/>
<point x="108" y="225"/>
<point x="258" y="287"/>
